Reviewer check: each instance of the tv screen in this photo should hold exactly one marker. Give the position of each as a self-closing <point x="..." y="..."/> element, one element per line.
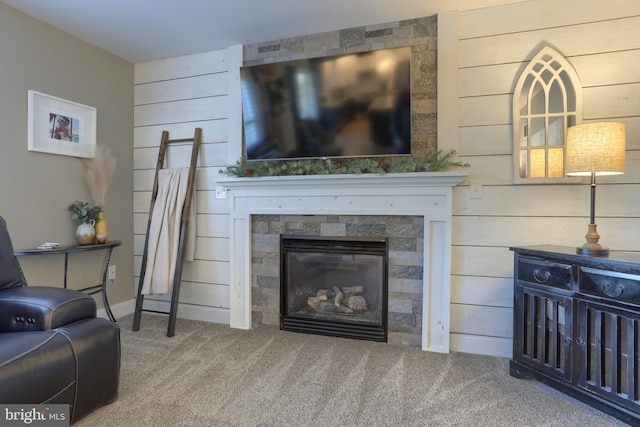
<point x="337" y="106"/>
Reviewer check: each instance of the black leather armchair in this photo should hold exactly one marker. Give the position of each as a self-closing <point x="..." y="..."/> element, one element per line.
<point x="53" y="348"/>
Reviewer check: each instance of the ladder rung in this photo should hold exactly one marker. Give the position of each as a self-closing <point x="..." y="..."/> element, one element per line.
<point x="146" y="310"/>
<point x="169" y="141"/>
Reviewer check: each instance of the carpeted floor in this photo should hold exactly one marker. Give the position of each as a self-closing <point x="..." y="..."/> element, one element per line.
<point x="211" y="375"/>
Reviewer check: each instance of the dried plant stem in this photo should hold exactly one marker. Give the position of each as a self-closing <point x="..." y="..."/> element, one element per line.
<point x="99" y="173"/>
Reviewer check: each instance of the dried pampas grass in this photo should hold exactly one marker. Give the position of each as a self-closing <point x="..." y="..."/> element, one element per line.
<point x="99" y="172"/>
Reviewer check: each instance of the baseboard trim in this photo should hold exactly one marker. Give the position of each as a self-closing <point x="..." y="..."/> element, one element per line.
<point x="490" y="346"/>
<point x="119" y="310"/>
<point x="185" y="311"/>
<point x="191" y="312"/>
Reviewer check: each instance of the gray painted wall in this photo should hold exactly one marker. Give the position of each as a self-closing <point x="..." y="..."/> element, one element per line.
<point x="36" y="188"/>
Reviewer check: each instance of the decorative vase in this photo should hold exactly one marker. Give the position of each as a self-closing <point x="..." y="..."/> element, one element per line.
<point x="86" y="233"/>
<point x="101" y="228"/>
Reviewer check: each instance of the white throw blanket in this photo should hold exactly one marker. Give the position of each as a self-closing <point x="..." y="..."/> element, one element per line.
<point x="164" y="231"/>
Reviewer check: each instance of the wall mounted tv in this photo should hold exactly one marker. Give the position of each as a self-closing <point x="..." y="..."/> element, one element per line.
<point x="337" y="106"/>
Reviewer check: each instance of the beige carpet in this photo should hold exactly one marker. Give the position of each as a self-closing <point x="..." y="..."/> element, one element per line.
<point x="211" y="375"/>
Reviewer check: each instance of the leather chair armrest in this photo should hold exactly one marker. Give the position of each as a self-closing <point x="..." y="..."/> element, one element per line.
<point x="40" y="308"/>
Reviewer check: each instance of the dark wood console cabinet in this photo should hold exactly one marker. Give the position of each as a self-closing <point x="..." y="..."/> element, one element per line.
<point x="576" y="325"/>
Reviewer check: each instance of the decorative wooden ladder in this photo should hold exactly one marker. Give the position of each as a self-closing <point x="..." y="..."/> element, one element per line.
<point x="164" y="142"/>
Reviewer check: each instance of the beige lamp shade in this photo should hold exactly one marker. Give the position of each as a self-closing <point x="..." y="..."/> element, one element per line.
<point x="596" y="147"/>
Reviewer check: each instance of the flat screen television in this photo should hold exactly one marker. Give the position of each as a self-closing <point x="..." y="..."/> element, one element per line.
<point x="337" y="106"/>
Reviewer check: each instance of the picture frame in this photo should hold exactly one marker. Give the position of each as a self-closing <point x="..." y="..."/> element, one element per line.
<point x="58" y="126"/>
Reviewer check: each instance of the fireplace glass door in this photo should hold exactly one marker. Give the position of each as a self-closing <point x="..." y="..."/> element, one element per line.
<point x="334" y="286"/>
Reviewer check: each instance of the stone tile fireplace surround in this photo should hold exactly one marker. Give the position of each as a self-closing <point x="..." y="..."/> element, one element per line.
<point x="405" y="234"/>
<point x="412" y="209"/>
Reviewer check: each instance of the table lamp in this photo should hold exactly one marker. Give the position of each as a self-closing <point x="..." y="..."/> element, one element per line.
<point x="595" y="149"/>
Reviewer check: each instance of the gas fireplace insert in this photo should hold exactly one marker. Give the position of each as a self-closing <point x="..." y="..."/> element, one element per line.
<point x="334" y="286"/>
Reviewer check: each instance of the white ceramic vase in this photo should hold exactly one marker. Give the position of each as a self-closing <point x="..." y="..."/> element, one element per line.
<point x="86" y="233"/>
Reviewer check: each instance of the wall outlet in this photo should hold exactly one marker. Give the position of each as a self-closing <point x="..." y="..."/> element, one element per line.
<point x="112" y="272"/>
<point x="221" y="192"/>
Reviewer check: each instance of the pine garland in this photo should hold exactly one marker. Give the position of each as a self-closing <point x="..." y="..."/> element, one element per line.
<point x="433" y="161"/>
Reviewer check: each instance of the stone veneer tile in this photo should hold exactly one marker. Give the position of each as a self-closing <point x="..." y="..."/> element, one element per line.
<point x="266" y="269"/>
<point x="370" y="230"/>
<point x="421" y="27"/>
<point x="270" y="47"/>
<point x="256" y="319"/>
<point x="277" y="227"/>
<point x="260" y="227"/>
<point x="331" y="229"/>
<point x="404" y="32"/>
<point x="384" y="25"/>
<point x="425" y="123"/>
<point x="405" y="244"/>
<point x="424" y="142"/>
<point x="271" y="256"/>
<point x="322" y="43"/>
<point x="400" y="306"/>
<point x="311" y="229"/>
<point x="290" y="218"/>
<point x="408" y="340"/>
<point x="380" y="33"/>
<point x="268" y="282"/>
<point x="410" y="286"/>
<point x="405" y="230"/>
<point x="401" y="322"/>
<point x="292" y="46"/>
<point x="293" y="227"/>
<point x="271" y="319"/>
<point x="350" y="219"/>
<point x="352" y="37"/>
<point x="405" y="258"/>
<point x="265" y="240"/>
<point x="385" y="220"/>
<point x="405" y="272"/>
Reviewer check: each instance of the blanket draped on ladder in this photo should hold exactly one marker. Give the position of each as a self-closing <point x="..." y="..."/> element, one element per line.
<point x="164" y="231"/>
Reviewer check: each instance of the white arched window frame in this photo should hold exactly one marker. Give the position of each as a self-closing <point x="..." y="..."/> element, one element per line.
<point x="546" y="101"/>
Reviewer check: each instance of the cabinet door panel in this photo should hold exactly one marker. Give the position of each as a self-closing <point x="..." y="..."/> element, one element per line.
<point x="543" y="331"/>
<point x="608" y="346"/>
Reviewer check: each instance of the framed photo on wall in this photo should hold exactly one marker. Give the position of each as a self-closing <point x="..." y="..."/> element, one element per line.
<point x="58" y="126"/>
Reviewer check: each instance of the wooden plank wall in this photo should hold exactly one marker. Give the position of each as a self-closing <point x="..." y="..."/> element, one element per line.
<point x="602" y="42"/>
<point x="600" y="39"/>
<point x="178" y="95"/>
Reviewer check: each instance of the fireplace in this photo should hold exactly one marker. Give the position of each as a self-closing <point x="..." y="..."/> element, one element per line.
<point x="334" y="286"/>
<point x="427" y="195"/>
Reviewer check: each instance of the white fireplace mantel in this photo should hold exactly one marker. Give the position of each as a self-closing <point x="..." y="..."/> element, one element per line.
<point x="427" y="194"/>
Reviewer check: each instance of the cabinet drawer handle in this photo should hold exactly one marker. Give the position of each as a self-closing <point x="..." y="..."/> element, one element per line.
<point x="612" y="290"/>
<point x="541" y="277"/>
<point x="580" y="341"/>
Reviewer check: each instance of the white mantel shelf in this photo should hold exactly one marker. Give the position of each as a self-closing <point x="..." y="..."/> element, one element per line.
<point x="426" y="194"/>
<point x="417" y="179"/>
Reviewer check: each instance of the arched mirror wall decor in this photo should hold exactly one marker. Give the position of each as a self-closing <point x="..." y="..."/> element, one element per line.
<point x="546" y="101"/>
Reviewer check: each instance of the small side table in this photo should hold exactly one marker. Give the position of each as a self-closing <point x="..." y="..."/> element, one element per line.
<point x="66" y="250"/>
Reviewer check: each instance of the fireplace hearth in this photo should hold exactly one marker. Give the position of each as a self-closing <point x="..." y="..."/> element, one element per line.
<point x="334" y="286"/>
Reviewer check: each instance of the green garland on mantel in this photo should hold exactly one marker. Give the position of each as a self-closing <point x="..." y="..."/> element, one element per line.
<point x="433" y="161"/>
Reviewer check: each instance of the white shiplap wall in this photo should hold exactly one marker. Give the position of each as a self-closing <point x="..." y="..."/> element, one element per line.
<point x="602" y="42"/>
<point x="481" y="53"/>
<point x="178" y="95"/>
